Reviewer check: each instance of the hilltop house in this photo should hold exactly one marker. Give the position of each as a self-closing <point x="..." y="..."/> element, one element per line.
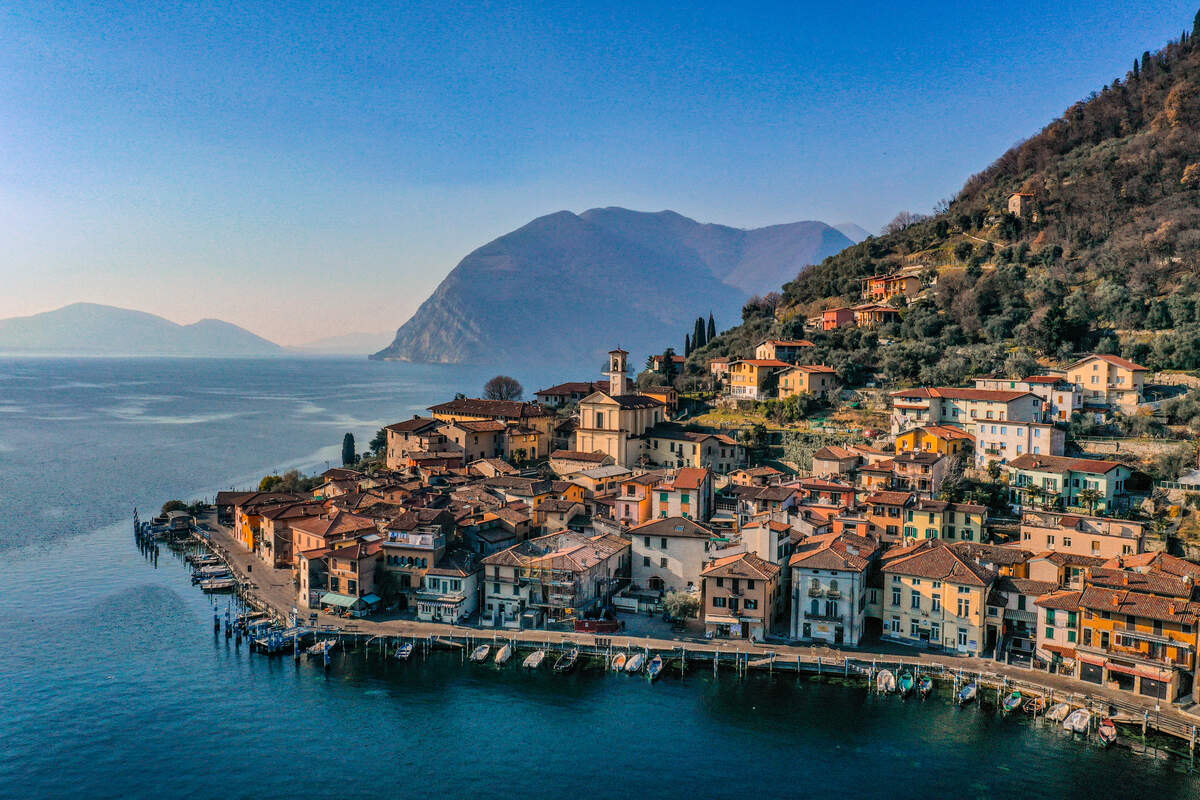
<point x="1109" y="381"/>
<point x="1042" y="480"/>
<point x="817" y="380"/>
<point x="953" y="406"/>
<point x="755" y="378"/>
<point x="789" y="350"/>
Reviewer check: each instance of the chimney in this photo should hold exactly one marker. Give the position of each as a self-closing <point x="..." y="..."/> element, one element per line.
<point x="1116" y="601"/>
<point x="1171" y="607"/>
<point x="1125" y="578"/>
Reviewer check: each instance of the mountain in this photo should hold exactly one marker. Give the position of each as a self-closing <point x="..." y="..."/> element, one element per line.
<point x="348" y="344"/>
<point x="91" y="329"/>
<point x="854" y="232"/>
<point x="1098" y="251"/>
<point x="571" y="286"/>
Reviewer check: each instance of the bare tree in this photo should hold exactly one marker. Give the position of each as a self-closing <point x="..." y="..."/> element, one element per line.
<point x="503" y="387"/>
<point x="903" y="220"/>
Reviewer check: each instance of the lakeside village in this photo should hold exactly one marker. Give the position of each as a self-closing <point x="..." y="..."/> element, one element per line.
<point x="959" y="523"/>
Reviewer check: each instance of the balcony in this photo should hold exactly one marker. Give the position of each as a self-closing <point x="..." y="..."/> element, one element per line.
<point x="815" y="591"/>
<point x="1142" y="656"/>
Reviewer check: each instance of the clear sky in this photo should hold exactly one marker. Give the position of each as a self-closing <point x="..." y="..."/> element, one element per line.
<point x="311" y="169"/>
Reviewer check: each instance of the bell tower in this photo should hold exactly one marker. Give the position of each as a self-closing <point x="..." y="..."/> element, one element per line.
<point x="617" y="360"/>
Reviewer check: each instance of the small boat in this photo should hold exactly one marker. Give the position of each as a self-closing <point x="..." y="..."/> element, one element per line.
<point x="617" y="663"/>
<point x="218" y="584"/>
<point x="210" y="572"/>
<point x="404" y="651"/>
<point x="480" y="653"/>
<point x="885" y="681"/>
<point x="1058" y="712"/>
<point x="1035" y="705"/>
<point x="534" y="659"/>
<point x="1012" y="702"/>
<point x="634" y="664"/>
<point x="504" y="654"/>
<point x="1107" y="731"/>
<point x="566" y="662"/>
<point x="654" y="669"/>
<point x="967" y="693"/>
<point x="321" y="648"/>
<point x="906" y="683"/>
<point x="925" y="685"/>
<point x="1078" y="720"/>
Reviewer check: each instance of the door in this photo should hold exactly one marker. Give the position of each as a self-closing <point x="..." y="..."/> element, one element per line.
<point x="990" y="639"/>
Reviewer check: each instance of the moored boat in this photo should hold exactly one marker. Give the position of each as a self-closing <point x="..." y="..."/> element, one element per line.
<point x="634" y="664"/>
<point x="967" y="693"/>
<point x="654" y="669"/>
<point x="1078" y="721"/>
<point x="320" y="648"/>
<point x="404" y="651"/>
<point x="617" y="663"/>
<point x="1107" y="731"/>
<point x="218" y="584"/>
<point x="906" y="683"/>
<point x="1035" y="705"/>
<point x="925" y="685"/>
<point x="1012" y="702"/>
<point x="1058" y="712"/>
<point x="885" y="681"/>
<point x="504" y="654"/>
<point x="566" y="662"/>
<point x="534" y="659"/>
<point x="480" y="653"/>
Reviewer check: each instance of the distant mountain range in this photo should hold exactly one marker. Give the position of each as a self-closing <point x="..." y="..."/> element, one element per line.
<point x="349" y="344"/>
<point x="853" y="232"/>
<point x="91" y="329"/>
<point x="570" y="286"/>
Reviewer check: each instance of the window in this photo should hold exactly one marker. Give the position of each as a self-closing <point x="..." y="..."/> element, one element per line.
<point x="662" y="562"/>
<point x="495" y="588"/>
<point x="664" y="543"/>
<point x="720" y="581"/>
<point x="663" y="497"/>
<point x="935" y="632"/>
<point x="750" y="583"/>
<point x="895" y="596"/>
<point x="964" y="607"/>
<point x="895" y="624"/>
<point x="1020" y="602"/>
<point x="915" y="600"/>
<point x="914" y="629"/>
<point x="645" y="561"/>
<point x="962" y="637"/>
<point x="1066" y="541"/>
<point x="718" y="602"/>
<point x="1049" y="633"/>
<point x="1071" y="636"/>
<point x="937" y="603"/>
<point x="751" y="604"/>
<point x="1049" y="616"/>
<point x="647" y="541"/>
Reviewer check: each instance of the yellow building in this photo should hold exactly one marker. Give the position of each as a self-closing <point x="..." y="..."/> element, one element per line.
<point x="515" y="414"/>
<point x="937" y="519"/>
<point x="933" y="596"/>
<point x="613" y="422"/>
<point x="1109" y="380"/>
<point x="808" y="379"/>
<point x="943" y="439"/>
<point x="754" y="378"/>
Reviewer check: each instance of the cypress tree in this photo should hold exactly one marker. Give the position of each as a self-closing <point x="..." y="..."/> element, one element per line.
<point x="687" y="345"/>
<point x="1135" y="69"/>
<point x="349" y="456"/>
<point x="1196" y="24"/>
<point x="712" y="328"/>
<point x="698" y="334"/>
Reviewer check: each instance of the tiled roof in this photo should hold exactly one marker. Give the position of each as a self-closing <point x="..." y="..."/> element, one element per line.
<point x="1061" y="600"/>
<point x="1139" y="604"/>
<point x="690" y="477"/>
<point x="844" y="551"/>
<point x="952" y="393"/>
<point x="832" y="451"/>
<point x="938" y="561"/>
<point x="1152" y="582"/>
<point x="1062" y="559"/>
<point x="672" y="526"/>
<point x="512" y="409"/>
<point x="1031" y="461"/>
<point x="1164" y="562"/>
<point x="1116" y="361"/>
<point x="579" y="455"/>
<point x="889" y="498"/>
<point x="742" y="565"/>
<point x="413" y="425"/>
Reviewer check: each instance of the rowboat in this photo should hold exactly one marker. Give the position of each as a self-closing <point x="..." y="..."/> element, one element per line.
<point x="634" y="664"/>
<point x="320" y="648"/>
<point x="1012" y="702"/>
<point x="566" y="662"/>
<point x="1078" y="720"/>
<point x="218" y="584"/>
<point x="617" y="663"/>
<point x="205" y="573"/>
<point x="1058" y="712"/>
<point x="925" y="685"/>
<point x="967" y="693"/>
<point x="906" y="683"/>
<point x="404" y="651"/>
<point x="1107" y="731"/>
<point x="885" y="681"/>
<point x="1035" y="705"/>
<point x="655" y="667"/>
<point x="504" y="654"/>
<point x="480" y="653"/>
<point x="534" y="659"/>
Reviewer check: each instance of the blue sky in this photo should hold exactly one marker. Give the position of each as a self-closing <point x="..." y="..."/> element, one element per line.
<point x="309" y="169"/>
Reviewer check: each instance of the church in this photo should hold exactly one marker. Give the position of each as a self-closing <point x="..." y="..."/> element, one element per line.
<point x="613" y="422"/>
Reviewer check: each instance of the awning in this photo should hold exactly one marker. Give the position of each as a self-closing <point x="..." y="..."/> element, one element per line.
<point x="1018" y="615"/>
<point x="710" y="619"/>
<point x="371" y="599"/>
<point x="1141" y="671"/>
<point x="335" y="599"/>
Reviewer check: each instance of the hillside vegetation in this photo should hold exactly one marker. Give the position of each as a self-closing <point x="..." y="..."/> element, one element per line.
<point x="1107" y="261"/>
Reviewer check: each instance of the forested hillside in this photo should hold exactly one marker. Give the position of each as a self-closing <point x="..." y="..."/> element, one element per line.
<point x="1106" y="261"/>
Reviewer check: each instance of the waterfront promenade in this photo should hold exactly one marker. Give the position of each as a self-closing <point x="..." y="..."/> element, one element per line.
<point x="274" y="589"/>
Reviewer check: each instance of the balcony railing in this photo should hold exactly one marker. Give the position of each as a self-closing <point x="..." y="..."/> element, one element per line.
<point x="815" y="591"/>
<point x="833" y="594"/>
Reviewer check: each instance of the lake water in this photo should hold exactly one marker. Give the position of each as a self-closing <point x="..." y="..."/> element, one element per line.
<point x="112" y="684"/>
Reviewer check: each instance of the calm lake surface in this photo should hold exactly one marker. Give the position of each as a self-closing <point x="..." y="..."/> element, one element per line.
<point x="112" y="684"/>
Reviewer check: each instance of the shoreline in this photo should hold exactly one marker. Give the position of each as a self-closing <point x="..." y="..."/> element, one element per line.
<point x="276" y="598"/>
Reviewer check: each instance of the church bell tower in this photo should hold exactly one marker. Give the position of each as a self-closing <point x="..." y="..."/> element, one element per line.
<point x="616" y="371"/>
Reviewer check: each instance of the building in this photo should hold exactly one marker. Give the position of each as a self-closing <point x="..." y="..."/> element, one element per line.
<point x="613" y="422"/>
<point x="919" y="472"/>
<point x="755" y="378"/>
<point x="790" y="350"/>
<point x="946" y="440"/>
<point x="556" y="514"/>
<point x="602" y="480"/>
<point x="1020" y="204"/>
<point x="476" y="438"/>
<point x="887" y="511"/>
<point x="833" y="461"/>
<point x="1081" y="534"/>
<point x="406" y="437"/>
<point x="518" y="415"/>
<point x="937" y="519"/>
<point x="1058" y="615"/>
<point x="953" y="406"/>
<point x="719" y="367"/>
<point x="330" y="531"/>
<point x="568" y="462"/>
<point x="450" y="589"/>
<point x="1017" y="599"/>
<point x="1109" y="381"/>
<point x="1065" y="569"/>
<point x="1060" y="397"/>
<point x="882" y="288"/>
<point x="816" y="380"/>
<point x="552" y="577"/>
<point x="669" y="445"/>
<point x="872" y="315"/>
<point x="1052" y="481"/>
<point x="407" y="555"/>
<point x="754" y="476"/>
<point x="659" y="363"/>
<point x="834" y="318"/>
<point x="564" y="394"/>
<point x="669" y="554"/>
<point x="1004" y="441"/>
<point x="634" y="503"/>
<point x="688" y="494"/>
<point x="740" y="597"/>
<point x="829" y="588"/>
<point x="935" y="597"/>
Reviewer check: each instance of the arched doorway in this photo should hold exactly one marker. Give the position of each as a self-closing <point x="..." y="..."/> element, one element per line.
<point x="656" y="584"/>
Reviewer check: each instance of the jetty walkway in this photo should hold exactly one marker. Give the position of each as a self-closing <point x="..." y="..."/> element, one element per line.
<point x="273" y="590"/>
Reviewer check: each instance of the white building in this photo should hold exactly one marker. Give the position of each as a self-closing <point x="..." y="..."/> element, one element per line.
<point x="912" y="408"/>
<point x="450" y="590"/>
<point x="689" y="494"/>
<point x="669" y="554"/>
<point x="829" y="588"/>
<point x="1004" y="441"/>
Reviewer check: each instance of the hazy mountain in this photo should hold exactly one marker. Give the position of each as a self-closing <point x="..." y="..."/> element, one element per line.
<point x="571" y="286"/>
<point x="852" y="231"/>
<point x="350" y="344"/>
<point x="91" y="329"/>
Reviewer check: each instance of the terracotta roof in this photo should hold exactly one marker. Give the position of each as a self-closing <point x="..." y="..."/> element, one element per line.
<point x="1062" y="559"/>
<point x="412" y="425"/>
<point x="1002" y="555"/>
<point x="742" y="565"/>
<point x="844" y="551"/>
<point x="1116" y="361"/>
<point x="1164" y="562"/>
<point x="1061" y="600"/>
<point x="787" y="342"/>
<point x="635" y="401"/>
<point x="1025" y="586"/>
<point x="672" y="526"/>
<point x="1031" y="461"/>
<point x="570" y="387"/>
<point x="1152" y="582"/>
<point x="817" y="368"/>
<point x="938" y="561"/>
<point x="1139" y="604"/>
<point x="889" y="498"/>
<point x="1047" y="379"/>
<point x="512" y="409"/>
<point x="763" y="362"/>
<point x="690" y="477"/>
<point x="917" y="457"/>
<point x="579" y="455"/>
<point x="832" y="451"/>
<point x="952" y="393"/>
<point x="948" y="432"/>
